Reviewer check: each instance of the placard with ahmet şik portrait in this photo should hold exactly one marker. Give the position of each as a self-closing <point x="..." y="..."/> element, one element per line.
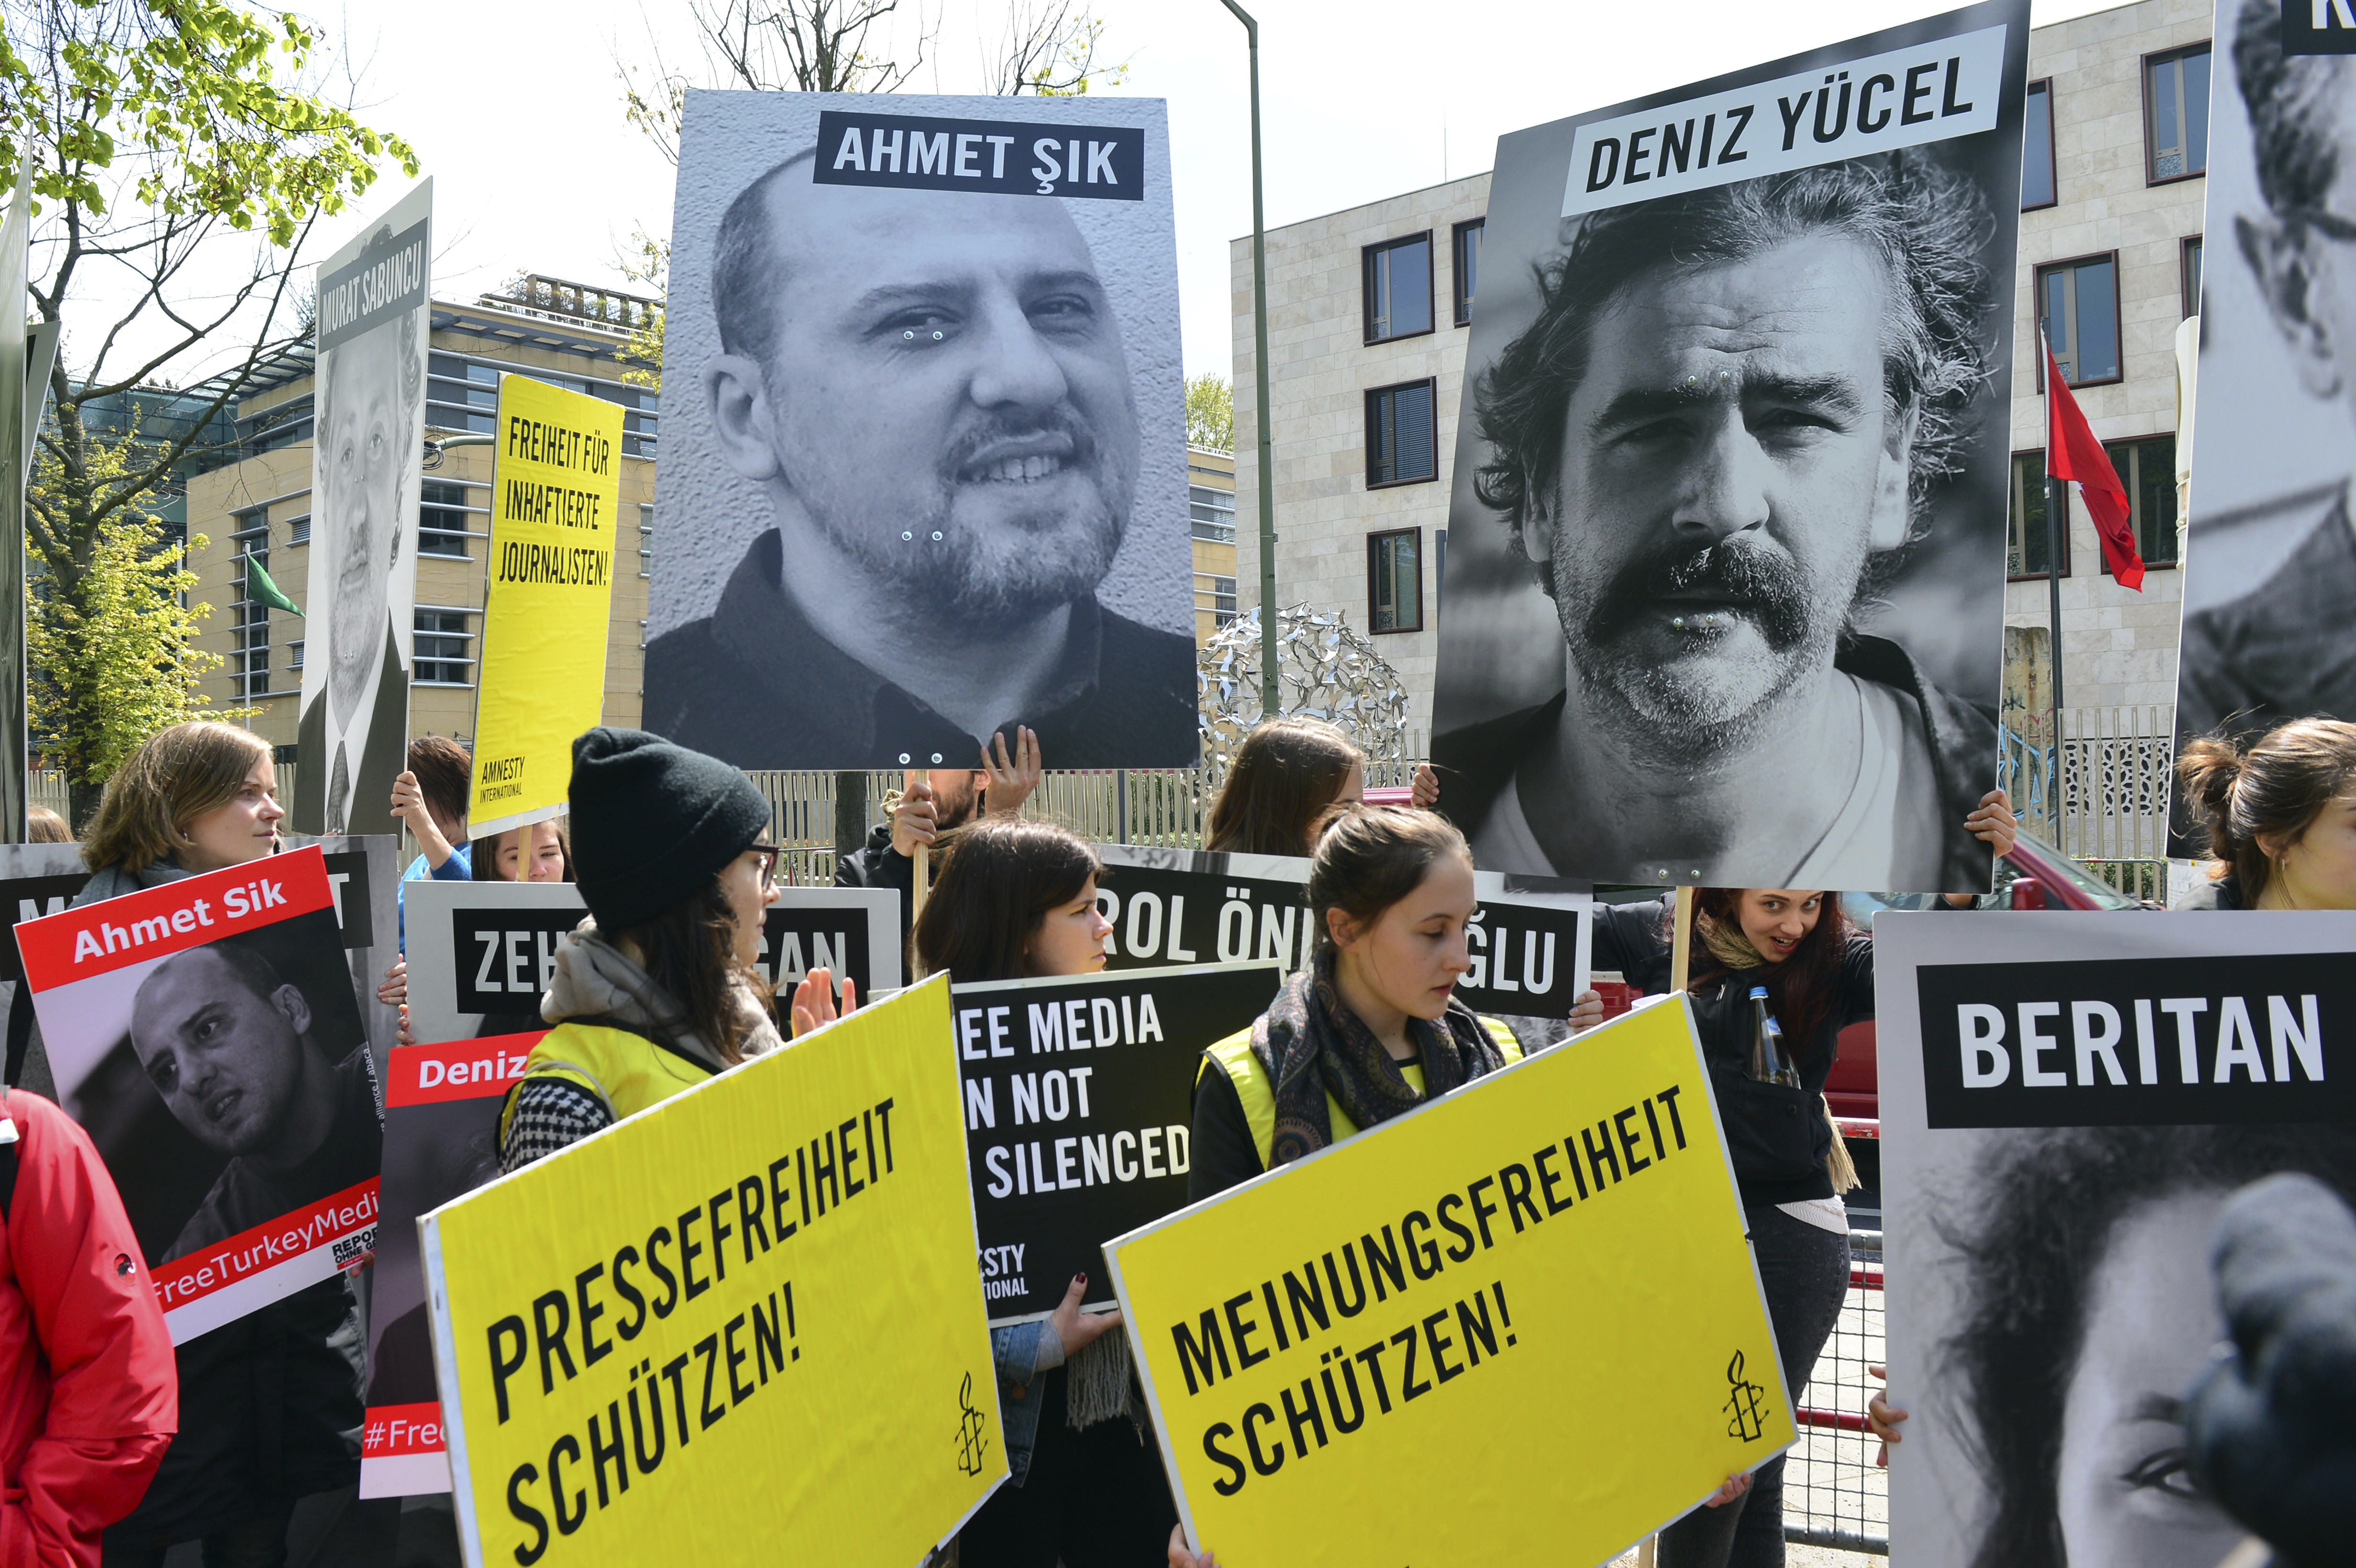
<point x="374" y="316"/>
<point x="1726" y="543"/>
<point x="923" y="471"/>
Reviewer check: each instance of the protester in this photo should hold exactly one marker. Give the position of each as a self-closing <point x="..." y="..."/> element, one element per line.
<point x="270" y="1403"/>
<point x="540" y="852"/>
<point x="1016" y="900"/>
<point x="1286" y="775"/>
<point x="2090" y="1312"/>
<point x="43" y="826"/>
<point x="431" y="799"/>
<point x="655" y="991"/>
<point x="2279" y="818"/>
<point x="88" y="1397"/>
<point x="942" y="800"/>
<point x="1369" y="1031"/>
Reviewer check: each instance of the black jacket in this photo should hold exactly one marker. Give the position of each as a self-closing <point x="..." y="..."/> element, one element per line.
<point x="1777" y="1136"/>
<point x="878" y="865"/>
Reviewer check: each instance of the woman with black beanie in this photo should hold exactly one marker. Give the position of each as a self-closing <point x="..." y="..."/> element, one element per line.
<point x="655" y="991"/>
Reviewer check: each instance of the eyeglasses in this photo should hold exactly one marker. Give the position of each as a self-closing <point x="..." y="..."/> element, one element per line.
<point x="768" y="854"/>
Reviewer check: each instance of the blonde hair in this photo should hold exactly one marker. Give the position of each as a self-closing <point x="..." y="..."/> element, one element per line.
<point x="175" y="776"/>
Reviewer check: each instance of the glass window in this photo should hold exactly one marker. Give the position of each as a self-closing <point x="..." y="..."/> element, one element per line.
<point x="298" y="530"/>
<point x="1468" y="268"/>
<point x="441" y="521"/>
<point x="295" y="654"/>
<point x="1395" y="581"/>
<point x="2081" y="305"/>
<point x="439" y="651"/>
<point x="2025" y="535"/>
<point x="1398" y="288"/>
<point x="2036" y="148"/>
<point x="1401" y="444"/>
<point x="2193" y="276"/>
<point x="2146" y="470"/>
<point x="2175" y="107"/>
<point x="1214" y="513"/>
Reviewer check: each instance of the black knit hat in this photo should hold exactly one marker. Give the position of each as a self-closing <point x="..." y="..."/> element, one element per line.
<point x="653" y="823"/>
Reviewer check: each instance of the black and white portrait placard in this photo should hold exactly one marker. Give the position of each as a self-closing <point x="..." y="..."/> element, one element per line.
<point x="923" y="461"/>
<point x="2270" y="541"/>
<point x="481" y="954"/>
<point x="2066" y="1105"/>
<point x="1726" y="541"/>
<point x="375" y="313"/>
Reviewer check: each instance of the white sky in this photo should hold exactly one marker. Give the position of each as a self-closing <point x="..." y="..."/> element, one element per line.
<point x="517" y="111"/>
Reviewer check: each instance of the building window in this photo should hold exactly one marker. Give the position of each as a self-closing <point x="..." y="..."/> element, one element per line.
<point x="645" y="539"/>
<point x="248" y="642"/>
<point x="1395" y="581"/>
<point x="298" y="530"/>
<point x="1402" y="447"/>
<point x="2193" y="276"/>
<point x="1217" y="595"/>
<point x="442" y="653"/>
<point x="1468" y="268"/>
<point x="2037" y="174"/>
<point x="2080" y="302"/>
<point x="2176" y="114"/>
<point x="294" y="655"/>
<point x="1214" y="513"/>
<point x="442" y="520"/>
<point x="2025" y="536"/>
<point x="1398" y="288"/>
<point x="2147" y="469"/>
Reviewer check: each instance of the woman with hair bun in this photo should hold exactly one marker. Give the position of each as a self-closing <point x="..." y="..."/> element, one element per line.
<point x="2280" y="817"/>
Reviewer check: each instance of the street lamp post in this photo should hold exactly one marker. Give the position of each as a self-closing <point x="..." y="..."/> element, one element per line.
<point x="1271" y="701"/>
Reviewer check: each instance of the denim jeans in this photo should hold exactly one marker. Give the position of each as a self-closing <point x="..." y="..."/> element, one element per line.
<point x="1805" y="1270"/>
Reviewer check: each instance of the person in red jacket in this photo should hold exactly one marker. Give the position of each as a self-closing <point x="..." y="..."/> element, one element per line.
<point x="89" y="1394"/>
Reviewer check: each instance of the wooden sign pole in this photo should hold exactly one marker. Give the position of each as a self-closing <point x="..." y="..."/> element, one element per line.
<point x="1681" y="942"/>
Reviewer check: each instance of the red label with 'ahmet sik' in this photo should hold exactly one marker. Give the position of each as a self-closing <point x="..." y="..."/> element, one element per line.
<point x="153" y="922"/>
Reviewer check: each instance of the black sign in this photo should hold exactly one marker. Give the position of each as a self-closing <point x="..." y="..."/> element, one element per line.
<point x="1523" y="953"/>
<point x="992" y="157"/>
<point x="2318" y="26"/>
<point x="796" y="941"/>
<point x="505" y="957"/>
<point x="2140" y="1041"/>
<point x="29" y="898"/>
<point x="1078" y="1106"/>
<point x="347" y="878"/>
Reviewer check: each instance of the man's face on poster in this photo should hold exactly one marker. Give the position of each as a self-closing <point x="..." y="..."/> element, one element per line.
<point x="366" y="451"/>
<point x="1730" y="460"/>
<point x="943" y="365"/>
<point x="226" y="1057"/>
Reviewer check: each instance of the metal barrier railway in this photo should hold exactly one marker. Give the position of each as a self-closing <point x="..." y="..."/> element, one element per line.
<point x="1834" y="1494"/>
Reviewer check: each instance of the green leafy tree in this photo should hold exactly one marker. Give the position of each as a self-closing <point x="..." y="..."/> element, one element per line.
<point x="1210" y="412"/>
<point x="115" y="660"/>
<point x="158" y="131"/>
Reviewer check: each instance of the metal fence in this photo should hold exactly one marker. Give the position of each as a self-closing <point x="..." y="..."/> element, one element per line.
<point x="2101" y="795"/>
<point x="1834" y="1494"/>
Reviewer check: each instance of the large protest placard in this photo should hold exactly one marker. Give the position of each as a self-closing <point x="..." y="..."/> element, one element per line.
<point x="783" y="1259"/>
<point x="1756" y="548"/>
<point x="2066" y="1104"/>
<point x="442" y="1105"/>
<point x="374" y="317"/>
<point x="1528" y="940"/>
<point x="204" y="1033"/>
<point x="980" y="469"/>
<point x="1079" y="1096"/>
<point x="480" y="954"/>
<point x="1549" y="1261"/>
<point x="2269" y="564"/>
<point x="556" y="492"/>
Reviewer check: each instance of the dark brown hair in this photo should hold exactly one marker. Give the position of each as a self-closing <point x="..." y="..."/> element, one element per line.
<point x="997" y="882"/>
<point x="689" y="951"/>
<point x="173" y="776"/>
<point x="1802" y="988"/>
<point x="1370" y="856"/>
<point x="445" y="776"/>
<point x="2276" y="788"/>
<point x="1287" y="772"/>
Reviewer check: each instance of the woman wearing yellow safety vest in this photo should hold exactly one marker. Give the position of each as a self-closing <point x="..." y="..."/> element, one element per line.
<point x="1370" y="1031"/>
<point x="1017" y="900"/>
<point x="655" y="991"/>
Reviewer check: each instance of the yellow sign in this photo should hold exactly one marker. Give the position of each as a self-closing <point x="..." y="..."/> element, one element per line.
<point x="744" y="1325"/>
<point x="556" y="491"/>
<point x="1534" y="1295"/>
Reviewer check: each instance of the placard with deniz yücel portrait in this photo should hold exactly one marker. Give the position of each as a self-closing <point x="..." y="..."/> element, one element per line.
<point x="1726" y="541"/>
<point x="204" y="1033"/>
<point x="2066" y="1107"/>
<point x="375" y="314"/>
<point x="923" y="456"/>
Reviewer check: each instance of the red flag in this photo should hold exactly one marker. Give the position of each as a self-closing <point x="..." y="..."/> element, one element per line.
<point x="2071" y="453"/>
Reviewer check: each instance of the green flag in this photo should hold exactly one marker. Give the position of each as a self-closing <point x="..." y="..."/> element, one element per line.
<point x="260" y="590"/>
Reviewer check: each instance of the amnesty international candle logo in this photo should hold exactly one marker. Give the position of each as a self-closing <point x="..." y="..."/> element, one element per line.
<point x="557" y="490"/>
<point x="1746" y="1412"/>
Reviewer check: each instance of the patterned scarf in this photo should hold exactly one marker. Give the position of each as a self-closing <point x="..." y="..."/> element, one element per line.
<point x="1312" y="1045"/>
